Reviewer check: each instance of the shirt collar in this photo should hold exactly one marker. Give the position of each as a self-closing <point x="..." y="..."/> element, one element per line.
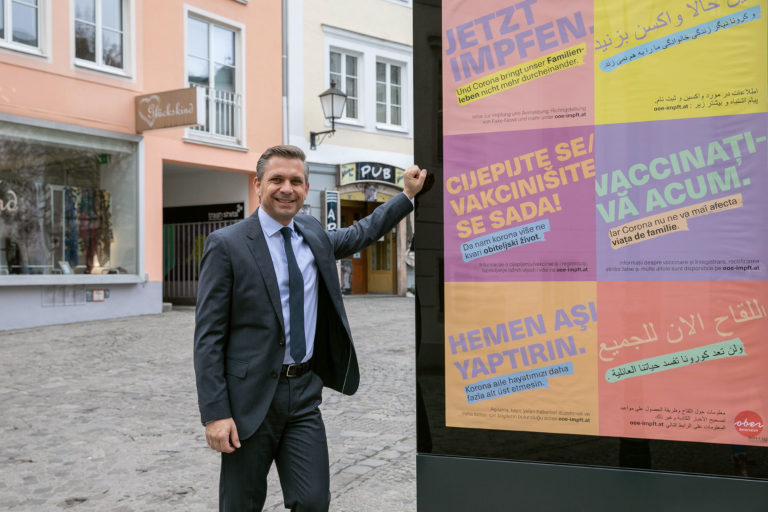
<point x="270" y="226"/>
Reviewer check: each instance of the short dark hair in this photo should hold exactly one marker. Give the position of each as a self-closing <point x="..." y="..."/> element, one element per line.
<point x="284" y="151"/>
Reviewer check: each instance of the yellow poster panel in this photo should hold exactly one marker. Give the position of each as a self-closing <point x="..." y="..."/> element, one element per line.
<point x="513" y="363"/>
<point x="667" y="59"/>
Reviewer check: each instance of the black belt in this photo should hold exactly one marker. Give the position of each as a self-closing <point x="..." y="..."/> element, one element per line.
<point x="295" y="370"/>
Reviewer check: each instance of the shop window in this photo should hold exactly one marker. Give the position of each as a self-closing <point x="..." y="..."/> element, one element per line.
<point x="68" y="203"/>
<point x="100" y="34"/>
<point x="213" y="64"/>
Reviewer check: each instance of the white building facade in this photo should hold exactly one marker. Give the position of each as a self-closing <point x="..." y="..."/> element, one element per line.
<point x="364" y="48"/>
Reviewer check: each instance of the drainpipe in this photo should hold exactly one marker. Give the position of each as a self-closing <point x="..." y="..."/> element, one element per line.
<point x="285" y="72"/>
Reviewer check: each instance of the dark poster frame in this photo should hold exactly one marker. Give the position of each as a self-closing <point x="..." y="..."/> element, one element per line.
<point x="469" y="469"/>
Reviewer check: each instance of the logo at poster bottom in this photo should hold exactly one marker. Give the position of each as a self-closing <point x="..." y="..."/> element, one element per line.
<point x="748" y="423"/>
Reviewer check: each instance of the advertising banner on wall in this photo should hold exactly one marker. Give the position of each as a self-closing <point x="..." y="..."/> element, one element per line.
<point x="606" y="250"/>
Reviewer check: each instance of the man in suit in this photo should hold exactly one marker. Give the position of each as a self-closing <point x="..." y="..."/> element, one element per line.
<point x="271" y="331"/>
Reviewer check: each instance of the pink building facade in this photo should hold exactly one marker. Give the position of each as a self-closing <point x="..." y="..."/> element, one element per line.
<point x="97" y="219"/>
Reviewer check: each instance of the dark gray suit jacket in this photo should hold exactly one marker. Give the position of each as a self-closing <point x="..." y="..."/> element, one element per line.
<point x="239" y="333"/>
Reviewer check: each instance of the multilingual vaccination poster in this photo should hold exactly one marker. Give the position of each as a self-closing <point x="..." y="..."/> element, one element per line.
<point x="606" y="243"/>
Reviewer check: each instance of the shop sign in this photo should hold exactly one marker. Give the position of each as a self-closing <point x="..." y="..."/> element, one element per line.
<point x="331" y="210"/>
<point x="180" y="107"/>
<point x="9" y="203"/>
<point x="203" y="213"/>
<point x="371" y="171"/>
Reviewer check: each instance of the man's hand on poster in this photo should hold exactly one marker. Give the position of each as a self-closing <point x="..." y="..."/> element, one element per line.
<point x="413" y="179"/>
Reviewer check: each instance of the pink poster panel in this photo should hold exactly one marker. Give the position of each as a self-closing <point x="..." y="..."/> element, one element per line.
<point x="683" y="361"/>
<point x="520" y="206"/>
<point x="513" y="65"/>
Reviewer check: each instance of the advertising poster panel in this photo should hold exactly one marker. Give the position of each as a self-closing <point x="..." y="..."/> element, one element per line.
<point x="606" y="250"/>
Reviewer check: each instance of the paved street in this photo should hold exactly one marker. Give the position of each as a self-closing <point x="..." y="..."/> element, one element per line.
<point x="103" y="416"/>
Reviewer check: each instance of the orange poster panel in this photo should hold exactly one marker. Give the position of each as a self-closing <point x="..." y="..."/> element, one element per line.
<point x="513" y="363"/>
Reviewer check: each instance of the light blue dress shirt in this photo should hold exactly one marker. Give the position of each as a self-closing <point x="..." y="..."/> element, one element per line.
<point x="306" y="261"/>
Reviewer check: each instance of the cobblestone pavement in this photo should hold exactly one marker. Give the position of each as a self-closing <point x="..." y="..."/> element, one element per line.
<point x="103" y="416"/>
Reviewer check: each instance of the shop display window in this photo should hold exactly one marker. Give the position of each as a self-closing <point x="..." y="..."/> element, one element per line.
<point x="68" y="203"/>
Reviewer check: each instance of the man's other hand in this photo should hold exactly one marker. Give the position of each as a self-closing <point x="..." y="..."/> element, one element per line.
<point x="413" y="180"/>
<point x="221" y="435"/>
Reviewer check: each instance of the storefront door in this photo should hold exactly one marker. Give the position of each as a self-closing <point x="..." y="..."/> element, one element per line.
<point x="354" y="279"/>
<point x="372" y="270"/>
<point x="381" y="265"/>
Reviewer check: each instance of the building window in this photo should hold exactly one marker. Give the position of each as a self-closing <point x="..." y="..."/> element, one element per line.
<point x="20" y="23"/>
<point x="389" y="96"/>
<point x="212" y="63"/>
<point x="344" y="72"/>
<point x="100" y="37"/>
<point x="68" y="203"/>
<point x="374" y="74"/>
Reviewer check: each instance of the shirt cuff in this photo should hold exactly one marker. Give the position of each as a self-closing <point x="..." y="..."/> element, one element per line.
<point x="409" y="198"/>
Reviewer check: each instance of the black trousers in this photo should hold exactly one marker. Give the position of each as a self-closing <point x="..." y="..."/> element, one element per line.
<point x="293" y="436"/>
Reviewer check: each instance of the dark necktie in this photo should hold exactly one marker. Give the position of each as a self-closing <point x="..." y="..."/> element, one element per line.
<point x="295" y="300"/>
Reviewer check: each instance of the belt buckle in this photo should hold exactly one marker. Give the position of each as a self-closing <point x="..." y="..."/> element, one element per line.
<point x="289" y="372"/>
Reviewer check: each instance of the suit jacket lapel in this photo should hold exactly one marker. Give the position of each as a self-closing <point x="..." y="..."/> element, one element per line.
<point x="326" y="266"/>
<point x="314" y="243"/>
<point x="257" y="244"/>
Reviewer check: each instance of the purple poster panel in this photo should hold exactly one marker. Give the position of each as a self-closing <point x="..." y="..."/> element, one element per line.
<point x="520" y="206"/>
<point x="682" y="200"/>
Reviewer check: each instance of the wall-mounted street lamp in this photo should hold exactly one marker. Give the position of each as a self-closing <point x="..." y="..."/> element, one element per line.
<point x="333" y="101"/>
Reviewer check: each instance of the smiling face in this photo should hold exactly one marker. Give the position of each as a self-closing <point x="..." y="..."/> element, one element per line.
<point x="283" y="188"/>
